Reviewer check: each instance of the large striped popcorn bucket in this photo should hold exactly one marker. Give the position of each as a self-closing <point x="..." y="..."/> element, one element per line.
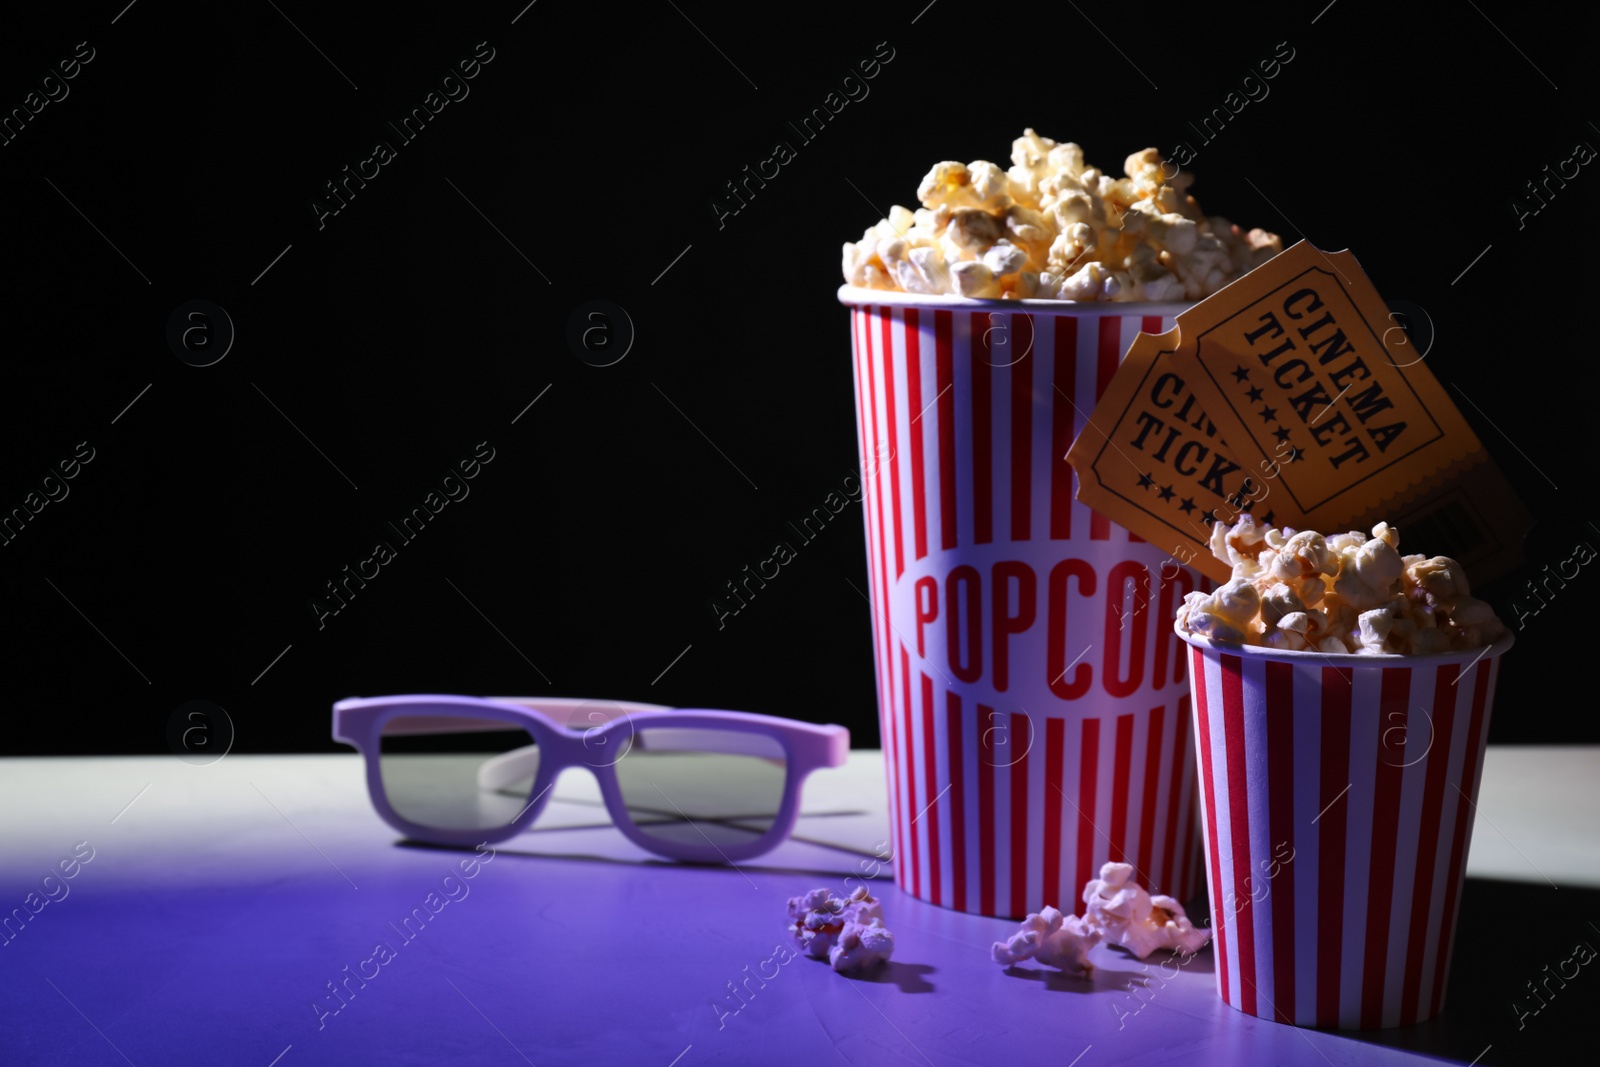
<point x="1032" y="699"/>
<point x="1338" y="795"/>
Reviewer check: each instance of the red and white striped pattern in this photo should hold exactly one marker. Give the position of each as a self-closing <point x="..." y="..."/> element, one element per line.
<point x="1370" y="775"/>
<point x="1014" y="776"/>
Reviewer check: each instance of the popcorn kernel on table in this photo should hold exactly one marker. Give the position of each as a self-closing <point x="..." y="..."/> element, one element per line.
<point x="1347" y="592"/>
<point x="1129" y="916"/>
<point x="848" y="933"/>
<point x="1119" y="912"/>
<point x="1052" y="938"/>
<point x="1050" y="227"/>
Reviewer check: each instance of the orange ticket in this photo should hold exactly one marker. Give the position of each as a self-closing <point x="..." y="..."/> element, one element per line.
<point x="1292" y="394"/>
<point x="1149" y="458"/>
<point x="1295" y="358"/>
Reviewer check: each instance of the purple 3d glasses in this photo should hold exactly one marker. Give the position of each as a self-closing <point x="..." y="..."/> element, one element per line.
<point x="689" y="784"/>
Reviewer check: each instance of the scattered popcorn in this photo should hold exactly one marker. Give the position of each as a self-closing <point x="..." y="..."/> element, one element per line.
<point x="861" y="945"/>
<point x="1053" y="228"/>
<point x="1126" y="915"/>
<point x="1054" y="939"/>
<point x="814" y="925"/>
<point x="848" y="933"/>
<point x="1346" y="592"/>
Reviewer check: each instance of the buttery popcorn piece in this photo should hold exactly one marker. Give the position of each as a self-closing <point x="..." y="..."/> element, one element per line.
<point x="1053" y="228"/>
<point x="1223" y="614"/>
<point x="1346" y="592"/>
<point x="861" y="945"/>
<point x="1126" y="915"/>
<point x="1054" y="939"/>
<point x="848" y="933"/>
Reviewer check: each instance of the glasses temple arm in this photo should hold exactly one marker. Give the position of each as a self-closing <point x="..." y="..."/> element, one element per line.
<point x="500" y="771"/>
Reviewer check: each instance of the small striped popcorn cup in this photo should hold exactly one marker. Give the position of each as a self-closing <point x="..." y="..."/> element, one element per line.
<point x="1031" y="692"/>
<point x="1338" y="794"/>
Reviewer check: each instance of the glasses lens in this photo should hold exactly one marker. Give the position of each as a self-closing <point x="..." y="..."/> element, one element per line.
<point x="686" y="786"/>
<point x="453" y="773"/>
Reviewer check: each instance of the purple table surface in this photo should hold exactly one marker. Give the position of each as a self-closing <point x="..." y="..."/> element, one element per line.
<point x="220" y="904"/>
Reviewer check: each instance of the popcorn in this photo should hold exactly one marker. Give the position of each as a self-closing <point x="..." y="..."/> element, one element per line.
<point x="1244" y="541"/>
<point x="1376" y="625"/>
<point x="848" y="933"/>
<point x="1278" y="602"/>
<point x="1053" y="228"/>
<point x="1128" y="916"/>
<point x="1302" y="557"/>
<point x="1054" y="939"/>
<point x="1003" y="257"/>
<point x="1091" y="283"/>
<point x="1223" y="614"/>
<point x="971" y="230"/>
<point x="1367" y="573"/>
<point x="861" y="945"/>
<point x="1435" y="582"/>
<point x="1347" y="592"/>
<point x="975" y="279"/>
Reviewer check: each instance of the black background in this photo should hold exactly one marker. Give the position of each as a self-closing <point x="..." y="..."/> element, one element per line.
<point x="414" y="324"/>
